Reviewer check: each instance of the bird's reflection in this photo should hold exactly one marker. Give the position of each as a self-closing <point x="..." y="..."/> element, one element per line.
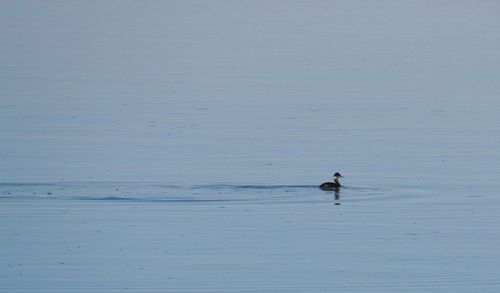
<point x="336" y="191"/>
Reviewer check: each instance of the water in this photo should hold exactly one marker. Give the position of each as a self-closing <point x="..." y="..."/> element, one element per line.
<point x="246" y="238"/>
<point x="177" y="146"/>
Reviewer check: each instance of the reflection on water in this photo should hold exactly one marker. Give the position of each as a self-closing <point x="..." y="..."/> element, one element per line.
<point x="337" y="195"/>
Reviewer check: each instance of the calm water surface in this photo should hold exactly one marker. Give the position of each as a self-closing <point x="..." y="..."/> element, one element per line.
<point x="176" y="146"/>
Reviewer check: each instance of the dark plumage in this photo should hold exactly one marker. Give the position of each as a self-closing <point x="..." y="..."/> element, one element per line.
<point x="332" y="185"/>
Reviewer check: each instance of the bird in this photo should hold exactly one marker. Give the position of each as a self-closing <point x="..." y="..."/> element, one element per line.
<point x="332" y="185"/>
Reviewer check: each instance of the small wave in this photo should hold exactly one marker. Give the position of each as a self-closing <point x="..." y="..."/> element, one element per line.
<point x="259" y="187"/>
<point x="209" y="193"/>
<point x="166" y="200"/>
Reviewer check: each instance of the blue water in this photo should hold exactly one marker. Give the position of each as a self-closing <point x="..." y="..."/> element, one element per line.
<point x="247" y="238"/>
<point x="149" y="192"/>
<point x="177" y="146"/>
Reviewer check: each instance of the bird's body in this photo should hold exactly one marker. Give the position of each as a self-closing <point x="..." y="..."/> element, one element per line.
<point x="329" y="185"/>
<point x="332" y="185"/>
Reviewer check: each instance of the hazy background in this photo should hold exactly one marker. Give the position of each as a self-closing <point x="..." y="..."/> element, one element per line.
<point x="403" y="92"/>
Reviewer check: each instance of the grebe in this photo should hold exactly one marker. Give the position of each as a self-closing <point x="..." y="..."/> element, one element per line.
<point x="332" y="185"/>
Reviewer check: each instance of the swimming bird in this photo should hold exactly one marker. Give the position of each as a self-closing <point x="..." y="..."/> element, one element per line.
<point x="332" y="185"/>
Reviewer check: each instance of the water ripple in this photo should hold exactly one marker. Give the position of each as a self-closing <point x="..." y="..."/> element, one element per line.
<point x="209" y="193"/>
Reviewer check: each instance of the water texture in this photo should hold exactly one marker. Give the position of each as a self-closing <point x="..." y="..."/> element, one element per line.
<point x="177" y="146"/>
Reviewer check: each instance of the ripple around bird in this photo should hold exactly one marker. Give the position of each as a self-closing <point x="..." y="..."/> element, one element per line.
<point x="216" y="193"/>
